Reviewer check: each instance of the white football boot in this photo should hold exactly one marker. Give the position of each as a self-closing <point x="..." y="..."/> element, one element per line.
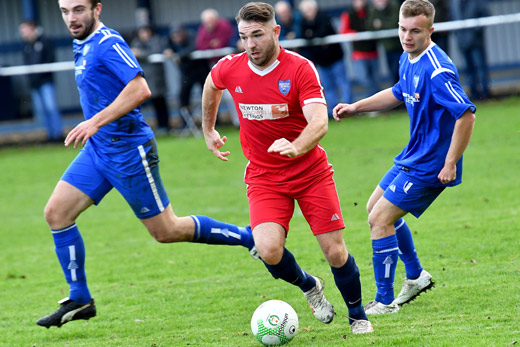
<point x="412" y="288"/>
<point x="320" y="307"/>
<point x="376" y="307"/>
<point x="361" y="327"/>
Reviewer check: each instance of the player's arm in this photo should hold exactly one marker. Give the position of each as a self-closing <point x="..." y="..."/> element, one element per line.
<point x="384" y="100"/>
<point x="317" y="126"/>
<point x="211" y="96"/>
<point x="134" y="94"/>
<point x="459" y="141"/>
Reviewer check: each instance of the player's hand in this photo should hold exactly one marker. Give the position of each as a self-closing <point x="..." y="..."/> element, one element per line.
<point x="82" y="132"/>
<point x="284" y="147"/>
<point x="343" y="111"/>
<point x="448" y="173"/>
<point x="214" y="143"/>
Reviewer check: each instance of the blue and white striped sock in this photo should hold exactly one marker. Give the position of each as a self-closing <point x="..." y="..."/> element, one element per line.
<point x="384" y="259"/>
<point x="214" y="232"/>
<point x="70" y="250"/>
<point x="407" y="251"/>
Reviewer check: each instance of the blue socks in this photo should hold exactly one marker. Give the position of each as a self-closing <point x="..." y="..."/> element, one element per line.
<point x="347" y="281"/>
<point x="211" y="231"/>
<point x="407" y="251"/>
<point x="70" y="250"/>
<point x="289" y="270"/>
<point x="384" y="259"/>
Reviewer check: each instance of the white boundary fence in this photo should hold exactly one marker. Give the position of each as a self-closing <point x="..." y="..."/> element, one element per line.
<point x="339" y="38"/>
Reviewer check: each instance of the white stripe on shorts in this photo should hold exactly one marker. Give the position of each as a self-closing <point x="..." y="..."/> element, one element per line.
<point x="150" y="178"/>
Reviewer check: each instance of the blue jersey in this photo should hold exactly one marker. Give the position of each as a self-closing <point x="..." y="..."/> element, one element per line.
<point x="104" y="64"/>
<point x="429" y="85"/>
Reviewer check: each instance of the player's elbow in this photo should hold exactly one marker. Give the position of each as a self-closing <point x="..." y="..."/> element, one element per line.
<point x="472" y="118"/>
<point x="323" y="128"/>
<point x="468" y="118"/>
<point x="145" y="94"/>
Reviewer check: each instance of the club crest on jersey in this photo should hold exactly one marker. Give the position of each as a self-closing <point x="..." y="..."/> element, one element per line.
<point x="86" y="49"/>
<point x="284" y="86"/>
<point x="415" y="81"/>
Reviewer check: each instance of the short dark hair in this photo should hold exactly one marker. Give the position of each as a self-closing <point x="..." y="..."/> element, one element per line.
<point x="30" y="22"/>
<point x="414" y="8"/>
<point x="94" y="3"/>
<point x="256" y="12"/>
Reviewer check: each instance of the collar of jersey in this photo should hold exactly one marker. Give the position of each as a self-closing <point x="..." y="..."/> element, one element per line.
<point x="264" y="71"/>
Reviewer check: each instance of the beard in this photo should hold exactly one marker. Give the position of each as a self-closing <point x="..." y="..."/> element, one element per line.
<point x="88" y="27"/>
<point x="266" y="57"/>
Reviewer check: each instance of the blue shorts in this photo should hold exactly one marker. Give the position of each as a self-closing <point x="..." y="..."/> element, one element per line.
<point x="407" y="193"/>
<point x="134" y="173"/>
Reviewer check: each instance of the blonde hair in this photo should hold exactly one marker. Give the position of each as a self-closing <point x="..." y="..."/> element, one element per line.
<point x="414" y="8"/>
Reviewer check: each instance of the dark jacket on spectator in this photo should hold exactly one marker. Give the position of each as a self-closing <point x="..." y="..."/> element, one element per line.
<point x="40" y="51"/>
<point x="321" y="26"/>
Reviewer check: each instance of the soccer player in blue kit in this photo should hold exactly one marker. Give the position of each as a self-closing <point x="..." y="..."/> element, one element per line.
<point x="441" y="125"/>
<point x="119" y="151"/>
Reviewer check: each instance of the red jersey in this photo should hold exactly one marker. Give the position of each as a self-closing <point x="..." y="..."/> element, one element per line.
<point x="269" y="104"/>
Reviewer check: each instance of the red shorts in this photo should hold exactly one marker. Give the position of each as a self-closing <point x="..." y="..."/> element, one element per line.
<point x="271" y="199"/>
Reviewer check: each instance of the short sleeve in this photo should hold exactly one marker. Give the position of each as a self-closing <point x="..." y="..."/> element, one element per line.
<point x="398" y="91"/>
<point x="447" y="92"/>
<point x="310" y="89"/>
<point x="216" y="72"/>
<point x="117" y="57"/>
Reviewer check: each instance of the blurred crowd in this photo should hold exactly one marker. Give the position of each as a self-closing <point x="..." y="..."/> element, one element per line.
<point x="348" y="71"/>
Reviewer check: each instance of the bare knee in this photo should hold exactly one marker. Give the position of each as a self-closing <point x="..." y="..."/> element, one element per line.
<point x="373" y="220"/>
<point x="55" y="216"/>
<point x="166" y="228"/>
<point x="161" y="236"/>
<point x="333" y="247"/>
<point x="369" y="206"/>
<point x="336" y="256"/>
<point x="270" y="242"/>
<point x="380" y="225"/>
<point x="374" y="198"/>
<point x="270" y="253"/>
<point x="165" y="233"/>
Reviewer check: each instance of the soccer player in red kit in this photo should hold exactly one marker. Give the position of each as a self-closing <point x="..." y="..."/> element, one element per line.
<point x="283" y="115"/>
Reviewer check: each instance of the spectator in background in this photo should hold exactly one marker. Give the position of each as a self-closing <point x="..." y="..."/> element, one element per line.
<point x="364" y="56"/>
<point x="288" y="19"/>
<point x="192" y="71"/>
<point x="215" y="32"/>
<point x="442" y="14"/>
<point x="144" y="45"/>
<point x="39" y="50"/>
<point x="382" y="15"/>
<point x="471" y="42"/>
<point x="328" y="58"/>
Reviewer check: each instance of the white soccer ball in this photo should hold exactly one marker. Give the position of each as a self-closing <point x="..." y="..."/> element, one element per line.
<point x="274" y="323"/>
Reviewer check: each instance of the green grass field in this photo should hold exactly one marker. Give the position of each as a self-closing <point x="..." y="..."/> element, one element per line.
<point x="151" y="294"/>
